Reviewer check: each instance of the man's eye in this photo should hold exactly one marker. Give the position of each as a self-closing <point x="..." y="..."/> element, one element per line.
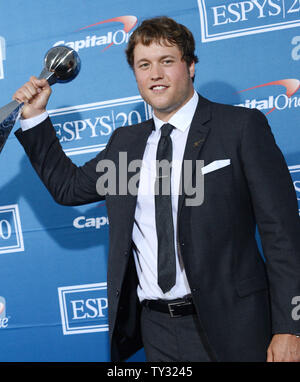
<point x="168" y="62"/>
<point x="144" y="65"/>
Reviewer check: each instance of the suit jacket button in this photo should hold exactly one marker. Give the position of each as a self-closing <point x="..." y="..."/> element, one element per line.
<point x="117" y="292"/>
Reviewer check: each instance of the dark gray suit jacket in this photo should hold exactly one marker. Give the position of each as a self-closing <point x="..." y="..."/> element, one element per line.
<point x="240" y="299"/>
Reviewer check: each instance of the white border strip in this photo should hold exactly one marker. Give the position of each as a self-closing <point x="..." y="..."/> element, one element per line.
<point x="95" y="105"/>
<point x="1" y="64"/>
<point x="294" y="168"/>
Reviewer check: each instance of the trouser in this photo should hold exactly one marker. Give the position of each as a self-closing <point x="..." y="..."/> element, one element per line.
<point x="172" y="339"/>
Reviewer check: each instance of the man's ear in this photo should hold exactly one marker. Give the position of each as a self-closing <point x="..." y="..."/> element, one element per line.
<point x="192" y="70"/>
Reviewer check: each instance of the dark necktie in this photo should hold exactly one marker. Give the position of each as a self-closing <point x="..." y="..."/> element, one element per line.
<point x="163" y="212"/>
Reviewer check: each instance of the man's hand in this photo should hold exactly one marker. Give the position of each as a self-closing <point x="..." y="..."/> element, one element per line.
<point x="35" y="94"/>
<point x="284" y="348"/>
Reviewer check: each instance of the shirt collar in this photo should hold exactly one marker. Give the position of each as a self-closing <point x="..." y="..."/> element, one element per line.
<point x="183" y="117"/>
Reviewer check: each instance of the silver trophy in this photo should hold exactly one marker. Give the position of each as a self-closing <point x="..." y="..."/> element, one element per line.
<point x="62" y="64"/>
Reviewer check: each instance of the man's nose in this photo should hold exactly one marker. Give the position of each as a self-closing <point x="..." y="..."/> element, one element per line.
<point x="156" y="72"/>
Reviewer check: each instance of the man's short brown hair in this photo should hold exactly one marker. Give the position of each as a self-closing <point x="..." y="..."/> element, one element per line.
<point x="161" y="30"/>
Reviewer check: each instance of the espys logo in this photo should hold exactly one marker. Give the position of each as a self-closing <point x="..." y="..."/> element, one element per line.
<point x="2" y="56"/>
<point x="11" y="238"/>
<point x="222" y="19"/>
<point x="97" y="122"/>
<point x="280" y="102"/>
<point x="118" y="37"/>
<point x="3" y="318"/>
<point x="83" y="308"/>
<point x="295" y="174"/>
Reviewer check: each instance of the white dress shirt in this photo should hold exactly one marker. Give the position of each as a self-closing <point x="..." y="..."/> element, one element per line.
<point x="144" y="229"/>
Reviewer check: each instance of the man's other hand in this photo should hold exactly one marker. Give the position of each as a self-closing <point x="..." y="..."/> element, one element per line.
<point x="284" y="348"/>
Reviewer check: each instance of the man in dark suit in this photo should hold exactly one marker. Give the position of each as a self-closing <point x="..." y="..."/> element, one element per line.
<point x="185" y="276"/>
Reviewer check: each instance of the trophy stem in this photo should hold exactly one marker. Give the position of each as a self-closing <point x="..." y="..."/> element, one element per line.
<point x="49" y="76"/>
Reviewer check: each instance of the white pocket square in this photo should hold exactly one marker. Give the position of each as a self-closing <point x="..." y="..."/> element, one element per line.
<point x="215" y="165"/>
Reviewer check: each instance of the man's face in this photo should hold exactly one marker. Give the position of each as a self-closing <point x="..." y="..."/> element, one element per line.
<point x="163" y="78"/>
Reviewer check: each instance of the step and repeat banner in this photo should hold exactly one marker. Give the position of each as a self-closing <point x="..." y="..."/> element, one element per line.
<point x="53" y="259"/>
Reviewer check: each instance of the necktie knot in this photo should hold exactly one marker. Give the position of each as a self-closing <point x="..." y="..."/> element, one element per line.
<point x="166" y="129"/>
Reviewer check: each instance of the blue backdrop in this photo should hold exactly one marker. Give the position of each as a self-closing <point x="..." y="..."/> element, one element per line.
<point x="53" y="303"/>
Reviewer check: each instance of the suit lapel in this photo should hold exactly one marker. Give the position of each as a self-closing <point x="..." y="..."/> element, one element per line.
<point x="137" y="145"/>
<point x="140" y="137"/>
<point x="195" y="142"/>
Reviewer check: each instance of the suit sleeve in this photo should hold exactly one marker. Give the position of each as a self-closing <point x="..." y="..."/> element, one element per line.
<point x="67" y="183"/>
<point x="276" y="210"/>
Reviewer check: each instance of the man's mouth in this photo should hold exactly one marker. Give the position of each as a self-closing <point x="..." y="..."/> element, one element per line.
<point x="158" y="88"/>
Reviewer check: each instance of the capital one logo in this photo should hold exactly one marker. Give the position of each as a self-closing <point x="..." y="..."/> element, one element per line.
<point x="2" y="56"/>
<point x="3" y="318"/>
<point x="222" y="19"/>
<point x="83" y="308"/>
<point x="11" y="237"/>
<point x="113" y="37"/>
<point x="82" y="222"/>
<point x="284" y="100"/>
